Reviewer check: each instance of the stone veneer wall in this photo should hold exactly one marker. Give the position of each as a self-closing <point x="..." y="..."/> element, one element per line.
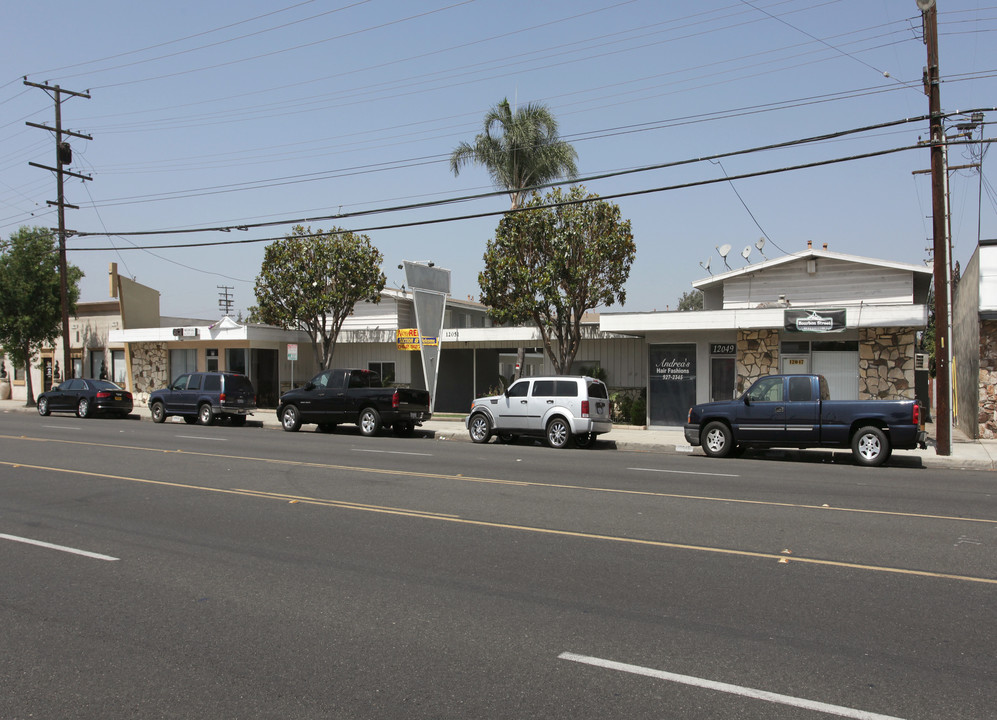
<point x="886" y="363"/>
<point x="149" y="370"/>
<point x="988" y="380"/>
<point x="757" y="356"/>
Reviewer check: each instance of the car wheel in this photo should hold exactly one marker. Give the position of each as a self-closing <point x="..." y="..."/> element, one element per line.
<point x="83" y="408"/>
<point x="717" y="440"/>
<point x="43" y="407"/>
<point x="238" y="420"/>
<point x="405" y="428"/>
<point x="290" y="418"/>
<point x="369" y="422"/>
<point x="190" y="419"/>
<point x="584" y="440"/>
<point x="870" y="446"/>
<point x="480" y="428"/>
<point x="205" y="415"/>
<point x="558" y="433"/>
<point x="158" y="412"/>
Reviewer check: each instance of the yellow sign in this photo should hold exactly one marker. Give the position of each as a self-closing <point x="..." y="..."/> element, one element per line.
<point x="408" y="339"/>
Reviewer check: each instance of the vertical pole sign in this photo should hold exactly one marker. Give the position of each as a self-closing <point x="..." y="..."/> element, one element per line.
<point x="292" y="355"/>
<point x="430" y="287"/>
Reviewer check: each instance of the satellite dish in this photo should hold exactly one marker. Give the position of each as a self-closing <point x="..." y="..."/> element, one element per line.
<point x="746" y="252"/>
<point x="759" y="244"/>
<point x="925" y="5"/>
<point x="706" y="266"/>
<point x="723" y="250"/>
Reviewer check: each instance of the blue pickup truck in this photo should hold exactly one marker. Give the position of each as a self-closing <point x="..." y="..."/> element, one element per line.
<point x="795" y="411"/>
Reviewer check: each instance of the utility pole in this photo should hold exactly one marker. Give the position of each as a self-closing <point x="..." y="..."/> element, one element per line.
<point x="63" y="156"/>
<point x="943" y="380"/>
<point x="225" y="300"/>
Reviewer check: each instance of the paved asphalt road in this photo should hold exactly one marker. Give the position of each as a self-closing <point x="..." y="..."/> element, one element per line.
<point x="250" y="573"/>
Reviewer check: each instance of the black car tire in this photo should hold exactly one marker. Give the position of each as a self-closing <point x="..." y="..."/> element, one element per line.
<point x="369" y="421"/>
<point x="870" y="446"/>
<point x="584" y="440"/>
<point x="190" y="419"/>
<point x="480" y="428"/>
<point x="290" y="418"/>
<point x="558" y="433"/>
<point x="205" y="415"/>
<point x="717" y="440"/>
<point x="158" y="412"/>
<point x="43" y="407"/>
<point x="83" y="408"/>
<point x="238" y="420"/>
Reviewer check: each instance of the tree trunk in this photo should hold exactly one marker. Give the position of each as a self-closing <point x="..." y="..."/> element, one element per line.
<point x="520" y="359"/>
<point x="29" y="398"/>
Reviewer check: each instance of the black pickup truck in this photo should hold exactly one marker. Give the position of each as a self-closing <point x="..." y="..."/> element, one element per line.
<point x="795" y="411"/>
<point x="344" y="395"/>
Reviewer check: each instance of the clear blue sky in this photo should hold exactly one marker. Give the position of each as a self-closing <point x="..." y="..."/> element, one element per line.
<point x="209" y="114"/>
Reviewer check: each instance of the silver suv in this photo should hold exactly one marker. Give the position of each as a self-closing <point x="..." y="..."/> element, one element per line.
<point x="560" y="408"/>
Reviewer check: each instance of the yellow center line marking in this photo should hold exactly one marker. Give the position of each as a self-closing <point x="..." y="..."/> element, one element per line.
<point x="516" y="483"/>
<point x="524" y="528"/>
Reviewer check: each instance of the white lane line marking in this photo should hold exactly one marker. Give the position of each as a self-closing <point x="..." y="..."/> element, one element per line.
<point x="201" y="437"/>
<point x="62" y="548"/>
<point x="683" y="472"/>
<point x="392" y="452"/>
<point x="63" y="427"/>
<point x="727" y="688"/>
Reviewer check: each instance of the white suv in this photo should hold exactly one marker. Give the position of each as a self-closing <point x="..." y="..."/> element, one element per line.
<point x="560" y="408"/>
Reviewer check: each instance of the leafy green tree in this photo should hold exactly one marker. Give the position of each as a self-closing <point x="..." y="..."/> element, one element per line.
<point x="692" y="300"/>
<point x="30" y="304"/>
<point x="550" y="265"/>
<point x="312" y="280"/>
<point x="519" y="149"/>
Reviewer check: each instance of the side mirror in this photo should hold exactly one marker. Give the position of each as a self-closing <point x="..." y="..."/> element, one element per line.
<point x="747" y="399"/>
<point x="309" y="385"/>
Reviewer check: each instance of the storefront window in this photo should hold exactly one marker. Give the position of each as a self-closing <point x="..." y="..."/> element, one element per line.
<point x="182" y="361"/>
<point x="385" y="369"/>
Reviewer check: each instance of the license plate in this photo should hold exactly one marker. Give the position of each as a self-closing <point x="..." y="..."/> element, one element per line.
<point x="117" y="397"/>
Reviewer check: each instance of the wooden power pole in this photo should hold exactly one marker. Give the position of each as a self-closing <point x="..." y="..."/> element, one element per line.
<point x="943" y="379"/>
<point x="63" y="156"/>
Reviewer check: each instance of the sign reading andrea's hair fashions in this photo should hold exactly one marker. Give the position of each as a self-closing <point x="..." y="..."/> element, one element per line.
<point x="672" y="387"/>
<point x="814" y="321"/>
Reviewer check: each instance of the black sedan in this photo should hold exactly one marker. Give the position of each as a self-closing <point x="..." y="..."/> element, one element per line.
<point x="86" y="397"/>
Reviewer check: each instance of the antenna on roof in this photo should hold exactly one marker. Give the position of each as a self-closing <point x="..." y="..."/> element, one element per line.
<point x="746" y="252"/>
<point x="723" y="250"/>
<point x="759" y="244"/>
<point x="706" y="267"/>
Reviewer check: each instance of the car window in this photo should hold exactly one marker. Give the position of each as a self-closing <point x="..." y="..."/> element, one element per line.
<point x="598" y="390"/>
<point x="766" y="390"/>
<point x="194" y="383"/>
<point x="357" y="379"/>
<point x="566" y="388"/>
<point x="519" y="389"/>
<point x="825" y="391"/>
<point x="181" y="382"/>
<point x="800" y="389"/>
<point x="103" y="385"/>
<point x="238" y="384"/>
<point x="322" y="379"/>
<point x="212" y="383"/>
<point x="543" y="388"/>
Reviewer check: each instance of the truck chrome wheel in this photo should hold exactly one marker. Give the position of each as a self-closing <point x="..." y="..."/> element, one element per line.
<point x="558" y="433"/>
<point x="480" y="429"/>
<point x="717" y="440"/>
<point x="870" y="446"/>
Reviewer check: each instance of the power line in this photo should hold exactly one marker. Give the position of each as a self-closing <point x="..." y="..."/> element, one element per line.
<point x="614" y="196"/>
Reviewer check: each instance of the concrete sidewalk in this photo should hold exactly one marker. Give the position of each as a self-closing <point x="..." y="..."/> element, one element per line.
<point x="966" y="453"/>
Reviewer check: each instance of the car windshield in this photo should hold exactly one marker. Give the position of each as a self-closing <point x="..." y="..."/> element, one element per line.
<point x="104" y="385"/>
<point x="238" y="383"/>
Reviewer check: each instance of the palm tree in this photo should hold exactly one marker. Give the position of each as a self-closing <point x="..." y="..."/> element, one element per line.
<point x="526" y="152"/>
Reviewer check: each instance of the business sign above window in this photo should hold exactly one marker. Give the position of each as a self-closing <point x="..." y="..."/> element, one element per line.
<point x="814" y="321"/>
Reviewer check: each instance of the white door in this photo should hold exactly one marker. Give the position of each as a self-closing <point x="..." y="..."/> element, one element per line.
<point x="842" y="372"/>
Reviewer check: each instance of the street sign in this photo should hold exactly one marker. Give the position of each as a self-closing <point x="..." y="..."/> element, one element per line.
<point x="292" y="351"/>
